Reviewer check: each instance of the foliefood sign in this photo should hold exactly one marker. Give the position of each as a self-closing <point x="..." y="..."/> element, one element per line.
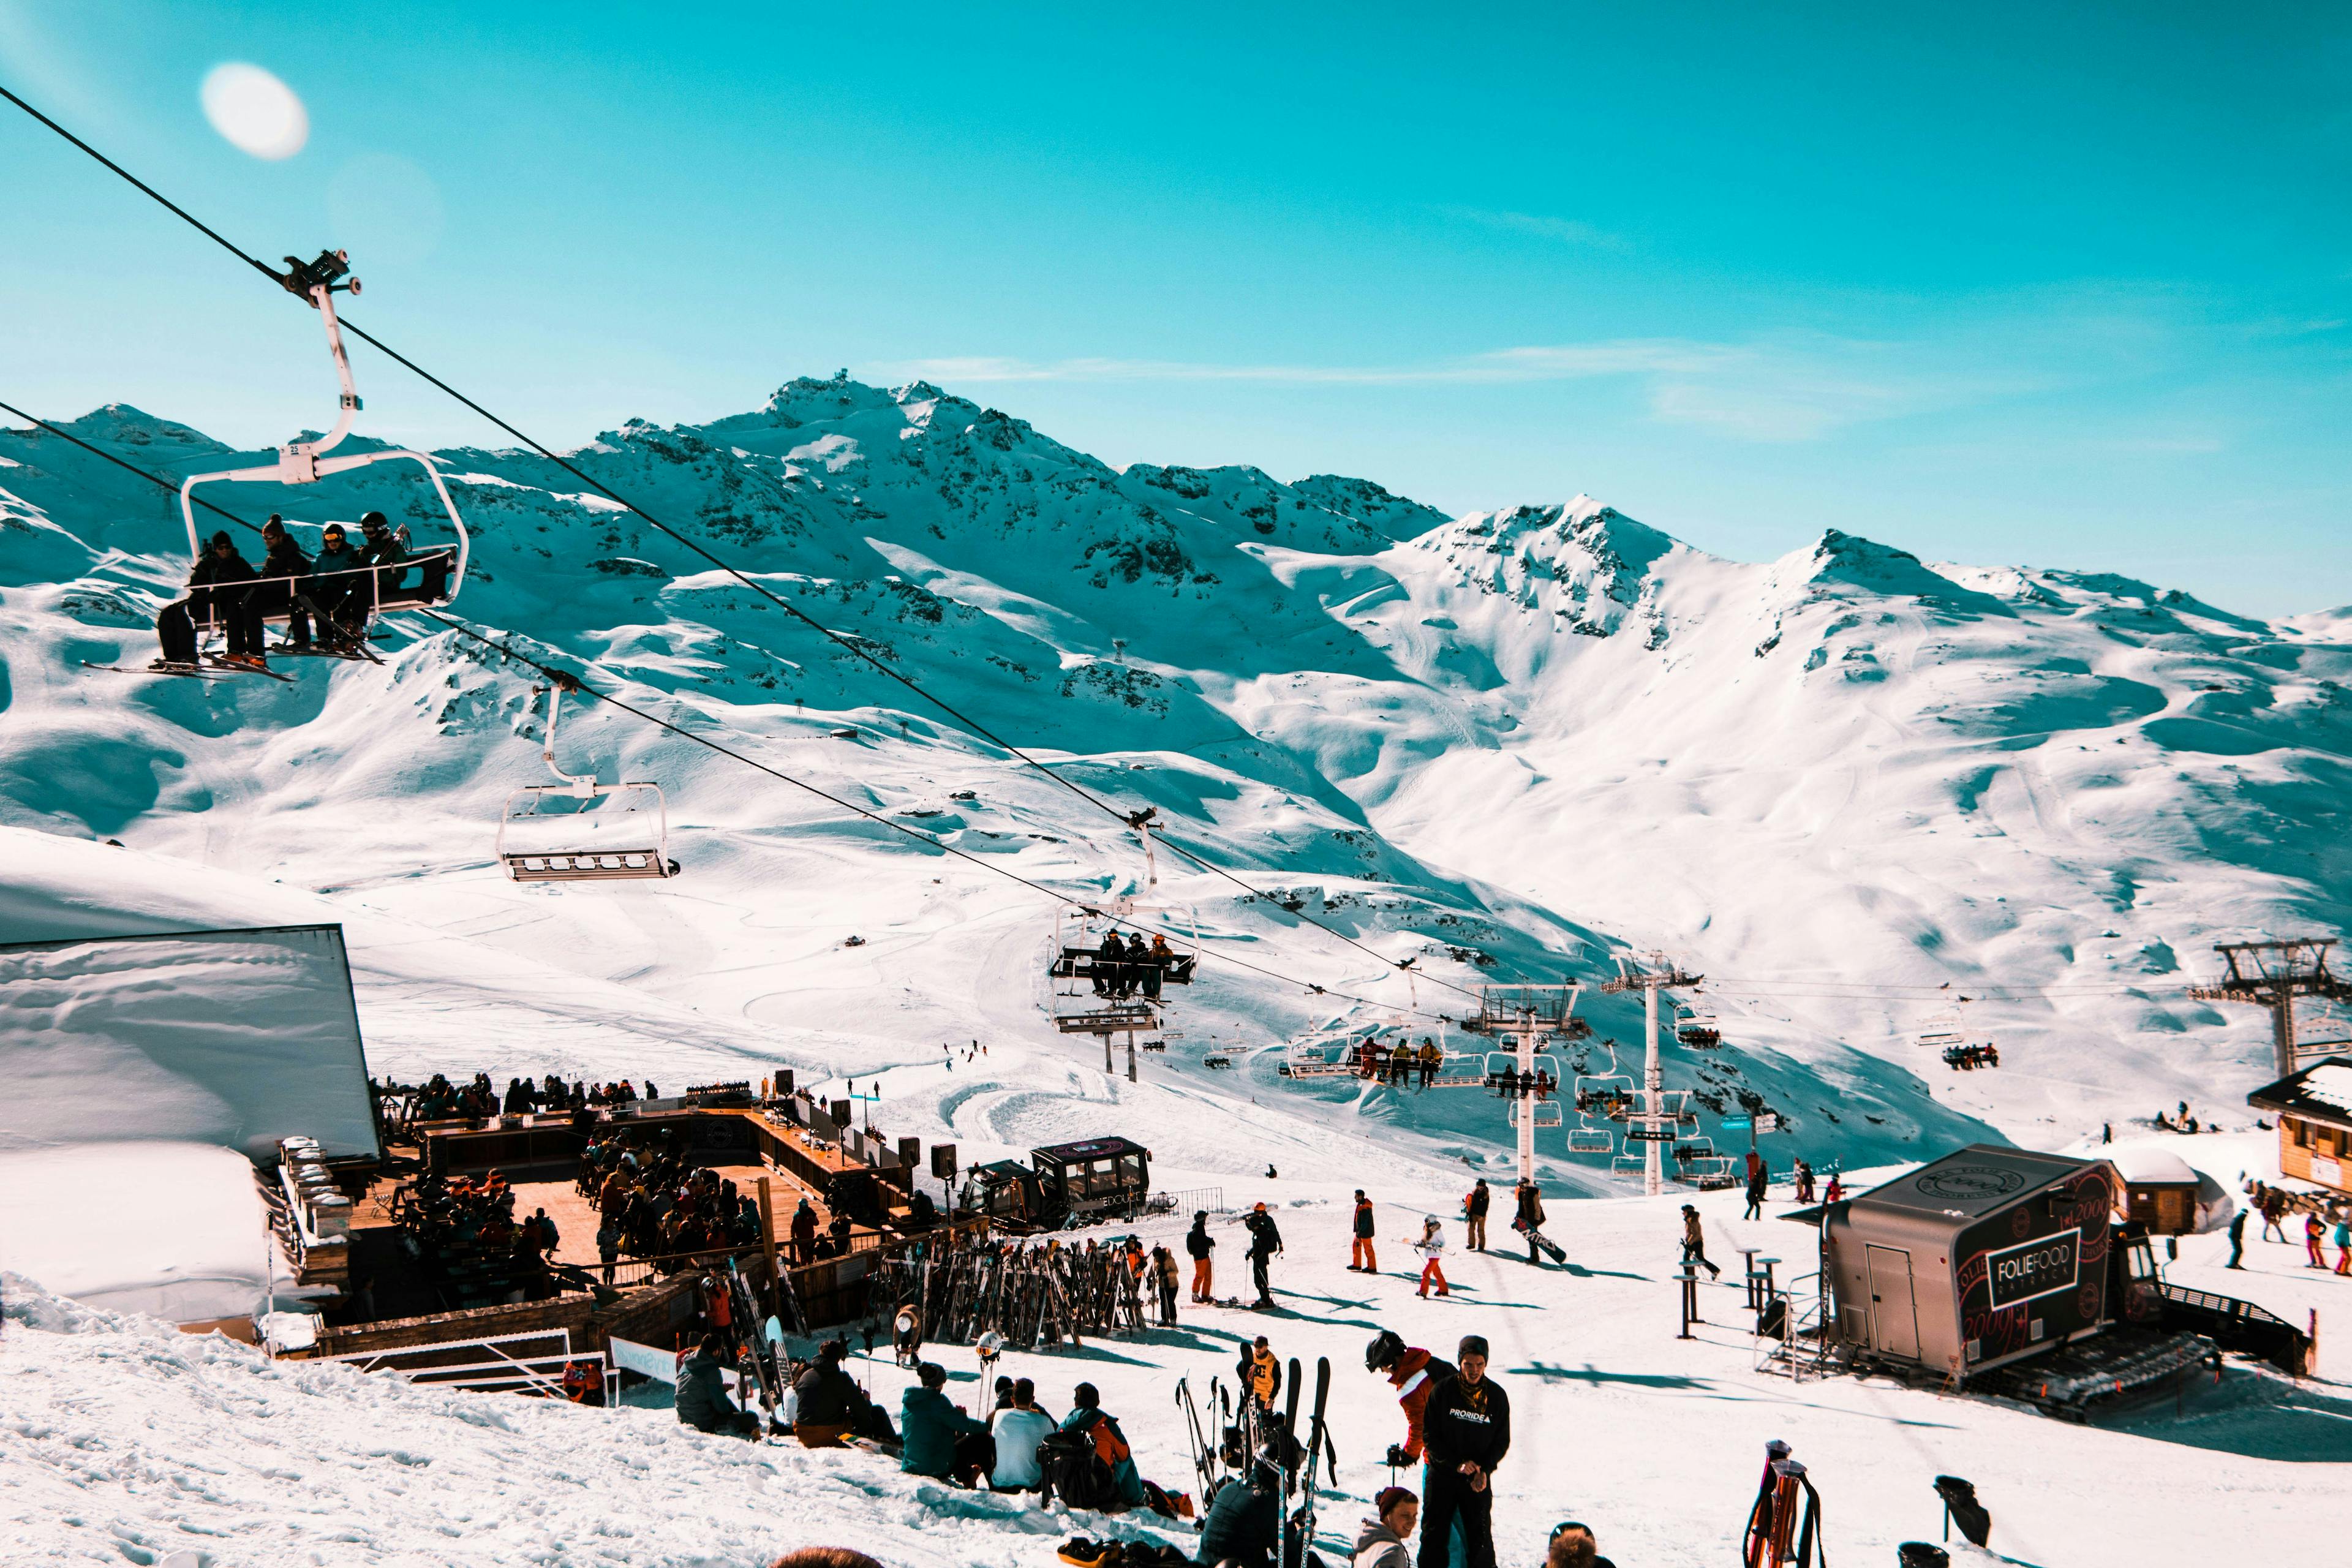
<point x="2037" y="1268"/>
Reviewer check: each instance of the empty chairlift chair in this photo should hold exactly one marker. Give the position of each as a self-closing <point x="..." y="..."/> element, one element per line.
<point x="581" y="831"/>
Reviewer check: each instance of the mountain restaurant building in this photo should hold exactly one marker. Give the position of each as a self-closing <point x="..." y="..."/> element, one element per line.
<point x="2315" y="1123"/>
<point x="1973" y="1260"/>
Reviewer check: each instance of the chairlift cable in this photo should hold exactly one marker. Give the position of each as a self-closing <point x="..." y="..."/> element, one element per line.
<point x="574" y="684"/>
<point x="908" y="681"/>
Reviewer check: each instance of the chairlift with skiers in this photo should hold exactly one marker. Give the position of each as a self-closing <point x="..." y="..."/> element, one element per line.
<point x="1698" y="1027"/>
<point x="580" y="830"/>
<point x="440" y="570"/>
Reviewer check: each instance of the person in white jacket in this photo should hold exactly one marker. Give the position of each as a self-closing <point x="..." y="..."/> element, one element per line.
<point x="1432" y="1248"/>
<point x="1018" y="1428"/>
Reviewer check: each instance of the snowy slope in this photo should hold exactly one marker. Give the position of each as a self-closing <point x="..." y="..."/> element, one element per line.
<point x="1529" y="737"/>
<point x="124" y="1439"/>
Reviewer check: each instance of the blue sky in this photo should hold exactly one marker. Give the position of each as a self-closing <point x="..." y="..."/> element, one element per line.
<point x="2060" y="285"/>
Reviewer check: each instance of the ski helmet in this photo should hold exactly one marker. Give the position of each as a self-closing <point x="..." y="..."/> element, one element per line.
<point x="1383" y="1352"/>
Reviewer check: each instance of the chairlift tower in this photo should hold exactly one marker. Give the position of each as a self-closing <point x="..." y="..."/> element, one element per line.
<point x="1522" y="1017"/>
<point x="2273" y="974"/>
<point x="1653" y="1123"/>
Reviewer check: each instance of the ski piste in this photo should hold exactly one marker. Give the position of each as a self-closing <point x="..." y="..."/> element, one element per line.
<point x="1299" y="1540"/>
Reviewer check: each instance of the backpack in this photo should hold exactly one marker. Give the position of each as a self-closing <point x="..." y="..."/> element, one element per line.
<point x="1081" y="1477"/>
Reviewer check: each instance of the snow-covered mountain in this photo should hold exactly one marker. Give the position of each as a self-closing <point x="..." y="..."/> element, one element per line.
<point x="1509" y="744"/>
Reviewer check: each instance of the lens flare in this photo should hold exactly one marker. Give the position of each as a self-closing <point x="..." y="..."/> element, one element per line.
<point x="255" y="111"/>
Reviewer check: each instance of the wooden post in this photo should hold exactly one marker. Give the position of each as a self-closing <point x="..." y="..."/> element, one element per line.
<point x="768" y="1246"/>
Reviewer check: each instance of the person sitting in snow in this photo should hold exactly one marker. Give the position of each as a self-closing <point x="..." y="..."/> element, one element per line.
<point x="702" y="1400"/>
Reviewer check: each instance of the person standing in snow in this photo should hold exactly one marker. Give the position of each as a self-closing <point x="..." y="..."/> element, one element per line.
<point x="1260" y="1373"/>
<point x="1529" y="1218"/>
<point x="1694" y="1243"/>
<point x="1474" y="1215"/>
<point x="1414" y="1373"/>
<point x="1755" y="1178"/>
<point x="1361" y="1259"/>
<point x="1380" y="1542"/>
<point x="2313" y="1233"/>
<point x="1804" y="1181"/>
<point x="1432" y="1248"/>
<point x="2343" y="1241"/>
<point x="1266" y="1242"/>
<point x="1163" y="1274"/>
<point x="1198" y="1244"/>
<point x="1468" y="1423"/>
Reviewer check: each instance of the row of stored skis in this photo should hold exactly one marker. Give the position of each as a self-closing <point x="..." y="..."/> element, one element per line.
<point x="1257" y="1445"/>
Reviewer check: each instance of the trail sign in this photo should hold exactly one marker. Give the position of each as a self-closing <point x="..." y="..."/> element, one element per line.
<point x="1768" y="1121"/>
<point x="1736" y="1123"/>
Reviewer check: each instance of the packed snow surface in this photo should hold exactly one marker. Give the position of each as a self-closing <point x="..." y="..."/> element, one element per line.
<point x="173" y="1230"/>
<point x="127" y="1439"/>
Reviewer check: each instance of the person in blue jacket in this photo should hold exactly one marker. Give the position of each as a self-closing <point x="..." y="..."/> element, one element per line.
<point x="937" y="1438"/>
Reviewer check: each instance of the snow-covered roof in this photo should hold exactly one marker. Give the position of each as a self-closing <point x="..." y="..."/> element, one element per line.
<point x="2321" y="1092"/>
<point x="2145" y="1166"/>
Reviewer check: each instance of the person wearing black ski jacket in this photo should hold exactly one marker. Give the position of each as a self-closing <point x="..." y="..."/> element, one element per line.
<point x="215" y="594"/>
<point x="1467" y="1426"/>
<point x="1264" y="1242"/>
<point x="282" y="572"/>
<point x="1198" y="1243"/>
<point x="1244" y="1523"/>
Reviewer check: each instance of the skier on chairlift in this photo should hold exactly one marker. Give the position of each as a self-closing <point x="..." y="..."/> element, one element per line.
<point x="338" y="590"/>
<point x="214" y="590"/>
<point x="282" y="572"/>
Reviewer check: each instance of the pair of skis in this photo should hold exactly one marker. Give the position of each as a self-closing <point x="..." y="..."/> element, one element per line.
<point x="1204" y="1453"/>
<point x="747" y="1313"/>
<point x="1299" y="1537"/>
<point x="203" y="670"/>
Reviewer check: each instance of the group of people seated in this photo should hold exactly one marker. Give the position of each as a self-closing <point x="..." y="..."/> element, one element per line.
<point x="1124" y="965"/>
<point x="1398" y="1066"/>
<point x="336" y="590"/>
<point x="1519" y="1084"/>
<point x="1967" y="1058"/>
<point x="440" y="1100"/>
<point x="463" y="1230"/>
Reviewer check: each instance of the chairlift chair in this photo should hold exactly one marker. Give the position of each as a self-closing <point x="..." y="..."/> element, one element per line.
<point x="1546" y="1113"/>
<point x="1698" y="1028"/>
<point x="1942" y="1031"/>
<point x="1627" y="1164"/>
<point x="1585" y="1139"/>
<point x="1603" y="1092"/>
<point x="581" y="831"/>
<point x="443" y="567"/>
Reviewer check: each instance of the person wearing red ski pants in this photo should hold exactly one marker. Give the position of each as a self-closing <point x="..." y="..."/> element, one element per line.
<point x="1431" y="1274"/>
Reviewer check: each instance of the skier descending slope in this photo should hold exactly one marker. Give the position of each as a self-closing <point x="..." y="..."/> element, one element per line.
<point x="1264" y="1242"/>
<point x="1414" y="1373"/>
<point x="1468" y="1425"/>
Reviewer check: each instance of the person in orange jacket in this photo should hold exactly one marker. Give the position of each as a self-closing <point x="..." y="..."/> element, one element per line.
<point x="1361" y="1259"/>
